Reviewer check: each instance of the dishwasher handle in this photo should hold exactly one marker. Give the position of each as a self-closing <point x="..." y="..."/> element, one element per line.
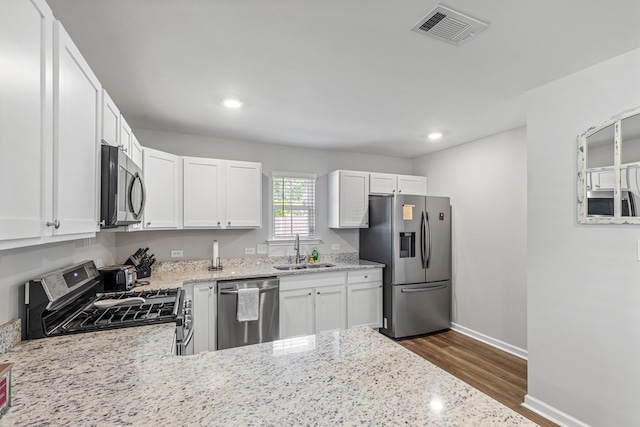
<point x="262" y="290"/>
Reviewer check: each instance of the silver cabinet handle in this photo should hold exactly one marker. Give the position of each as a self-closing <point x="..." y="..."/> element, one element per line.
<point x="55" y="224"/>
<point x="218" y="222"/>
<point x="413" y="291"/>
<point x="149" y="223"/>
<point x="229" y="223"/>
<point x="121" y="147"/>
<point x="366" y="277"/>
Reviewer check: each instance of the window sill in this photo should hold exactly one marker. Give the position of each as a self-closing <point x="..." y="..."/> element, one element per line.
<point x="288" y="242"/>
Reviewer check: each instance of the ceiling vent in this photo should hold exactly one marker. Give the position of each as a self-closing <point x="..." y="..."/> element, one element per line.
<point x="449" y="26"/>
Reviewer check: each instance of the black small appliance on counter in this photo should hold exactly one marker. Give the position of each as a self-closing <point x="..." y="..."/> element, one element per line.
<point x="118" y="277"/>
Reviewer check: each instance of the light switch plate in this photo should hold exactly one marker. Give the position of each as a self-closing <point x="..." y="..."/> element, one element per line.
<point x="263" y="249"/>
<point x="335" y="246"/>
<point x="249" y="251"/>
<point x="177" y="253"/>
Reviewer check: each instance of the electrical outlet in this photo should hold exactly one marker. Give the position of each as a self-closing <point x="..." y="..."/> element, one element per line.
<point x="335" y="246"/>
<point x="263" y="249"/>
<point x="177" y="253"/>
<point x="249" y="251"/>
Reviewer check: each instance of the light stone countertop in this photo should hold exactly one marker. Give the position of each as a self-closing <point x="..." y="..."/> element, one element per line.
<point x="175" y="274"/>
<point x="349" y="377"/>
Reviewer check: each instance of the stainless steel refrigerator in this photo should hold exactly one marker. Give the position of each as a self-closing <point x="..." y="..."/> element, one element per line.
<point x="412" y="236"/>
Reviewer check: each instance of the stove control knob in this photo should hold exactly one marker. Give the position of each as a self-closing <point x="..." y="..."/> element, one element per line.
<point x="188" y="312"/>
<point x="188" y="303"/>
<point x="188" y="321"/>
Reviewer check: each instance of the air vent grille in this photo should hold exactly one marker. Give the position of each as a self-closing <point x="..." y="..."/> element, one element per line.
<point x="449" y="26"/>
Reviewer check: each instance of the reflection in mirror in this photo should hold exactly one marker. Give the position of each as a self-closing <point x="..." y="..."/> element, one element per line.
<point x="630" y="190"/>
<point x="630" y="147"/>
<point x="600" y="148"/>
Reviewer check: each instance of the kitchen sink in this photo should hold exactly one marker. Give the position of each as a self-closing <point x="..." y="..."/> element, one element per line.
<point x="319" y="265"/>
<point x="289" y="267"/>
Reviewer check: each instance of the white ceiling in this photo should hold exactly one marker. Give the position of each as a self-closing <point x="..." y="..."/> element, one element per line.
<point x="339" y="74"/>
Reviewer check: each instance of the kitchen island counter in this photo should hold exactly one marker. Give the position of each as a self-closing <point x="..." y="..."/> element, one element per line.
<point x="347" y="377"/>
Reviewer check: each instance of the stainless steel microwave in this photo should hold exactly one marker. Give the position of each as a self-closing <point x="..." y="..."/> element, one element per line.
<point x="600" y="203"/>
<point x="123" y="194"/>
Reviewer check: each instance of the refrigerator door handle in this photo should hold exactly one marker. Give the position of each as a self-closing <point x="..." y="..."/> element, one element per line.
<point x="428" y="240"/>
<point x="423" y="239"/>
<point x="414" y="290"/>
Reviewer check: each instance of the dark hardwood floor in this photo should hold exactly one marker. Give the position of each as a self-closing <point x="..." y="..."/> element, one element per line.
<point x="494" y="372"/>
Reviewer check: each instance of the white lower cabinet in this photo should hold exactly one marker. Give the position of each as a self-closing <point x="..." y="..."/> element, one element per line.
<point x="331" y="308"/>
<point x="204" y="307"/>
<point x="364" y="298"/>
<point x="312" y="303"/>
<point x="297" y="313"/>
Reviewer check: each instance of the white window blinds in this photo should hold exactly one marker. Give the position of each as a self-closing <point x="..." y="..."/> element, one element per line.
<point x="294" y="205"/>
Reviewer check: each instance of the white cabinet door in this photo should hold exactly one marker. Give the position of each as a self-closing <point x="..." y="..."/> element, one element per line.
<point x="126" y="135"/>
<point x="203" y="190"/>
<point x="204" y="317"/>
<point x="296" y="313"/>
<point x="354" y="199"/>
<point x="412" y="185"/>
<point x="330" y="308"/>
<point x="348" y="199"/>
<point x="364" y="302"/>
<point x="77" y="96"/>
<point x="136" y="151"/>
<point x="243" y="194"/>
<point x="110" y="121"/>
<point x="26" y="119"/>
<point x="382" y="183"/>
<point x="162" y="179"/>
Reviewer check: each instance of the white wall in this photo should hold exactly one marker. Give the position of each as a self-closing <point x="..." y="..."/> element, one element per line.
<point x="197" y="243"/>
<point x="486" y="181"/>
<point x="20" y="265"/>
<point x="583" y="280"/>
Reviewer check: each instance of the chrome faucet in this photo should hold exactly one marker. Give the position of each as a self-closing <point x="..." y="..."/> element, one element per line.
<point x="296" y="247"/>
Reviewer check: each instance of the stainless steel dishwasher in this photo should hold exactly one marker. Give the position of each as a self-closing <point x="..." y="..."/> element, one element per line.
<point x="231" y="332"/>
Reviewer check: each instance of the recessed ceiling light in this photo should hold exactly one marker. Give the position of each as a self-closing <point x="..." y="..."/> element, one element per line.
<point x="434" y="136"/>
<point x="232" y="102"/>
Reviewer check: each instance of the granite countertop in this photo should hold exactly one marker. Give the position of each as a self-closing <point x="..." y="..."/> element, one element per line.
<point x="175" y="274"/>
<point x="348" y="377"/>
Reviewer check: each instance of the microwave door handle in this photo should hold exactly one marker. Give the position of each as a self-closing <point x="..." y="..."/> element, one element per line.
<point x="428" y="240"/>
<point x="137" y="215"/>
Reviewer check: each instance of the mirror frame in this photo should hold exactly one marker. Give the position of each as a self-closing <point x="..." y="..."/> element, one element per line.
<point x="617" y="218"/>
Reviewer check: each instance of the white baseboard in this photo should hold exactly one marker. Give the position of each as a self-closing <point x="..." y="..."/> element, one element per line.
<point x="551" y="413"/>
<point x="500" y="345"/>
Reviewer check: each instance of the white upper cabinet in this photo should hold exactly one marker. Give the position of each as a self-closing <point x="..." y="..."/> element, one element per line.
<point x="126" y="136"/>
<point x="243" y="199"/>
<point x="412" y="185"/>
<point x="77" y="97"/>
<point x="385" y="183"/>
<point x="135" y="151"/>
<point x="162" y="177"/>
<point x="26" y="115"/>
<point x="204" y="188"/>
<point x="348" y="199"/>
<point x="110" y="121"/>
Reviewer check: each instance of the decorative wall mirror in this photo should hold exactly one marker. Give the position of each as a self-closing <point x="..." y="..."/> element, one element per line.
<point x="609" y="171"/>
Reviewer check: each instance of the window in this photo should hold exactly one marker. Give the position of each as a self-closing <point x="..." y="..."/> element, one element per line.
<point x="294" y="205"/>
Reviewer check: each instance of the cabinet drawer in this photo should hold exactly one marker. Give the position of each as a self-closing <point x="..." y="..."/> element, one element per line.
<point x="302" y="281"/>
<point x="360" y="276"/>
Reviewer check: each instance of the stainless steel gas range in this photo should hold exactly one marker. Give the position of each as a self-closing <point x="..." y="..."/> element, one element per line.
<point x="70" y="300"/>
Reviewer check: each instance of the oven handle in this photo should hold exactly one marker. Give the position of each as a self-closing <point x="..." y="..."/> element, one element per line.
<point x="262" y="290"/>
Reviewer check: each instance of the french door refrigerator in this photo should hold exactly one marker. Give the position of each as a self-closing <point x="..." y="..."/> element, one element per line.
<point x="411" y="235"/>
